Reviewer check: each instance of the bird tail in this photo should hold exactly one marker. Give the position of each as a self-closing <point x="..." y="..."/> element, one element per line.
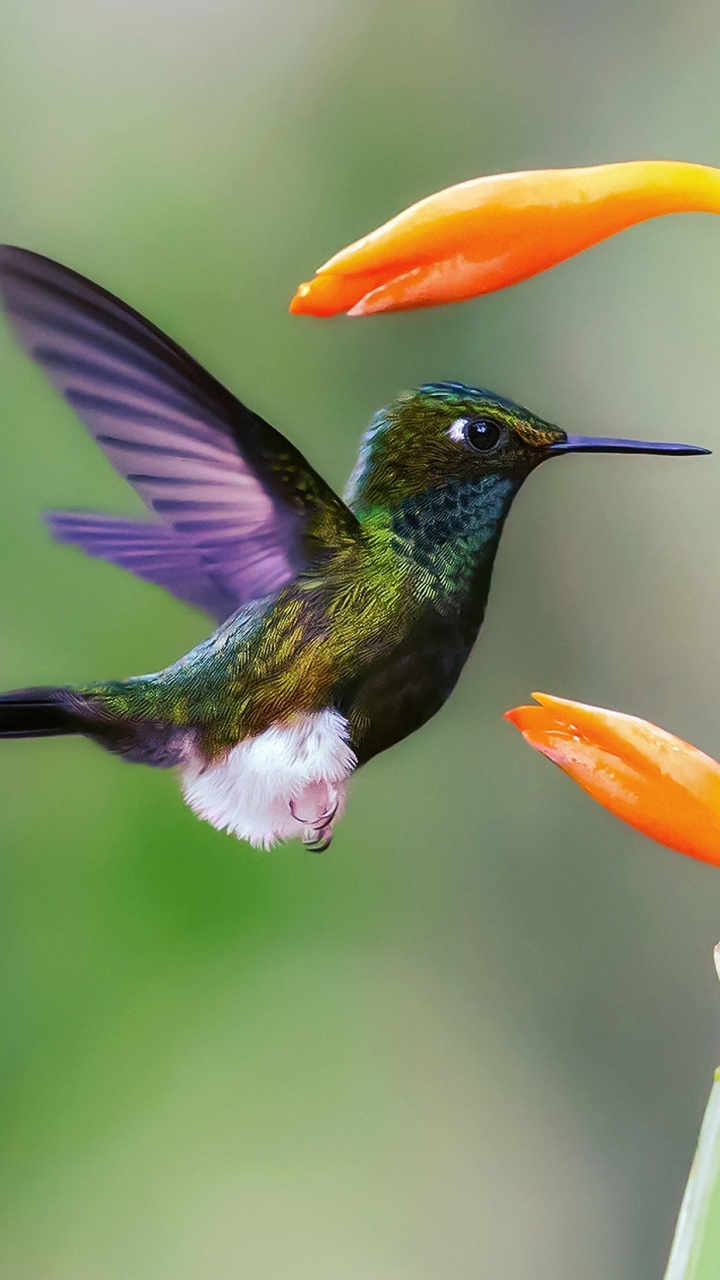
<point x="42" y="713"/>
<point x="52" y="712"/>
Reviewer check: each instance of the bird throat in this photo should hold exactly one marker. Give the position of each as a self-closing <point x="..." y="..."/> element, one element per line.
<point x="452" y="532"/>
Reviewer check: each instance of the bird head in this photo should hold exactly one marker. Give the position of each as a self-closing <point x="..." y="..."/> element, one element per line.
<point x="447" y="434"/>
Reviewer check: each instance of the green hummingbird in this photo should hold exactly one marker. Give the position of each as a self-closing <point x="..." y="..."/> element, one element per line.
<point x="343" y="623"/>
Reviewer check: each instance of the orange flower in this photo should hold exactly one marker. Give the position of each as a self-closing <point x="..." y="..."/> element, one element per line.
<point x="495" y="231"/>
<point x="644" y="775"/>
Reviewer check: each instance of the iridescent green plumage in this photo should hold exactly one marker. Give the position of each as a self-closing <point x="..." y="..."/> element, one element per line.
<point x="381" y="625"/>
<point x="344" y="623"/>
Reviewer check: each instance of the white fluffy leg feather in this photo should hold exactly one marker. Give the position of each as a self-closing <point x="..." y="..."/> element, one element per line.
<point x="288" y="781"/>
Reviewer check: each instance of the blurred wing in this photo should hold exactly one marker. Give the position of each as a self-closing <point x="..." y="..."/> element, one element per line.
<point x="152" y="552"/>
<point x="223" y="481"/>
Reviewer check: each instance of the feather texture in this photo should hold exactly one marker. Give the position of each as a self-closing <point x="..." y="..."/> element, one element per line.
<point x="152" y="552"/>
<point x="228" y="487"/>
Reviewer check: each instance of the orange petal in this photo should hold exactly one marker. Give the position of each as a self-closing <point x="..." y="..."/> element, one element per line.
<point x="495" y="231"/>
<point x="646" y="776"/>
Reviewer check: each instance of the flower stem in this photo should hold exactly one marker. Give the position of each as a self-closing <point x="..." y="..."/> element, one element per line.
<point x="698" y="1232"/>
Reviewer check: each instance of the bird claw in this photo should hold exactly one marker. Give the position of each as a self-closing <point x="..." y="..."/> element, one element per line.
<point x="319" y="840"/>
<point x="318" y="832"/>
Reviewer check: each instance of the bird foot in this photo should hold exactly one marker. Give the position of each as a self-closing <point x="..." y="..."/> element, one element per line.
<point x="315" y="809"/>
<point x="319" y="840"/>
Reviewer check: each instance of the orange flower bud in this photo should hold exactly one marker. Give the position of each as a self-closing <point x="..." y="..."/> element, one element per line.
<point x="646" y="776"/>
<point x="495" y="231"/>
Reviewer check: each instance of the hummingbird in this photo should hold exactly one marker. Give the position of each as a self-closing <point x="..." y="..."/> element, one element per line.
<point x="342" y="623"/>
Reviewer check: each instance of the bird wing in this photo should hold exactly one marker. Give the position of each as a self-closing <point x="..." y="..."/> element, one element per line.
<point x="152" y="552"/>
<point x="242" y="510"/>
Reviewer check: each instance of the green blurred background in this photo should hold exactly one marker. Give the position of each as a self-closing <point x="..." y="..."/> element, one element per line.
<point x="474" y="1039"/>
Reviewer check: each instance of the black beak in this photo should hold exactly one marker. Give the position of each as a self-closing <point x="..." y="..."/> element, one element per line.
<point x="606" y="444"/>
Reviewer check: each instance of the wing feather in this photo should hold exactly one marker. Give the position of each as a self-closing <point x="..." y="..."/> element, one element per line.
<point x="229" y="489"/>
<point x="152" y="552"/>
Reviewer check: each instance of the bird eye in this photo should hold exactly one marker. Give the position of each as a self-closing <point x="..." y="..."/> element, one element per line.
<point x="482" y="435"/>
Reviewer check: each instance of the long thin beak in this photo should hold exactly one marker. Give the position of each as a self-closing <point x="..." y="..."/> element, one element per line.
<point x="606" y="444"/>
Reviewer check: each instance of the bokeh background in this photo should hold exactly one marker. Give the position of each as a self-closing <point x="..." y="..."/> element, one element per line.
<point x="475" y="1038"/>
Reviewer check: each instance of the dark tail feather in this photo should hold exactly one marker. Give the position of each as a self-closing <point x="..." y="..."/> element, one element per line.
<point x="43" y="713"/>
<point x="52" y="712"/>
